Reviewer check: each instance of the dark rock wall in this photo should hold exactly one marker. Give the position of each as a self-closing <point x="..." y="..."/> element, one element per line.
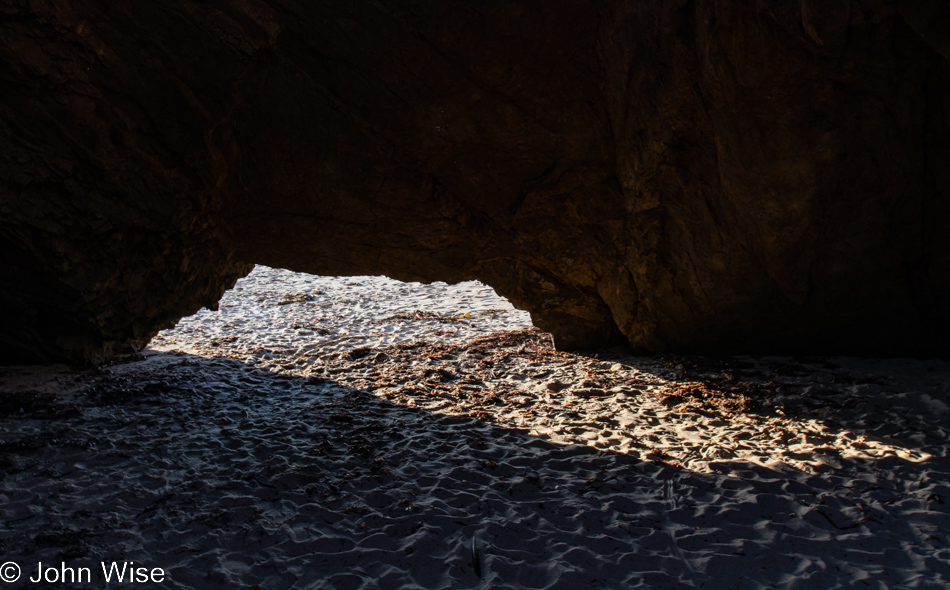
<point x="776" y="176"/>
<point x="109" y="215"/>
<point x="692" y="176"/>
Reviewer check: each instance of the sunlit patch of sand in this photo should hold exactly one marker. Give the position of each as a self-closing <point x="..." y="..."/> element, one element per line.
<point x="686" y="414"/>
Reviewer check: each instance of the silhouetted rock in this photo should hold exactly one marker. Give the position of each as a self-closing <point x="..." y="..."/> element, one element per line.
<point x="691" y="176"/>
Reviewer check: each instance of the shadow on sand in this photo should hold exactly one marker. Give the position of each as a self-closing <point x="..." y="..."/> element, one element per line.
<point x="227" y="476"/>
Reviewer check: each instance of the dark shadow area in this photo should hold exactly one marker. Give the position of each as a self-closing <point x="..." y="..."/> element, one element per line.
<point x="618" y="168"/>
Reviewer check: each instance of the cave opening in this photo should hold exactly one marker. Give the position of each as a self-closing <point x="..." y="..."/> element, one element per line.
<point x="285" y="320"/>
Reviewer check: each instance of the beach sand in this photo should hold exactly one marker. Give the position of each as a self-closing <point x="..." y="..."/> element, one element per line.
<point x="327" y="432"/>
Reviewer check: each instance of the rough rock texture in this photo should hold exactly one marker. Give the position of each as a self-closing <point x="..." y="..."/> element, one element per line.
<point x="692" y="176"/>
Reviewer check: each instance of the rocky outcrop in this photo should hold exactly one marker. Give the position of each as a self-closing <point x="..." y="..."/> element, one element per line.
<point x="688" y="176"/>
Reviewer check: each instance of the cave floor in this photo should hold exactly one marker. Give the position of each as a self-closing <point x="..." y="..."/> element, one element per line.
<point x="364" y="433"/>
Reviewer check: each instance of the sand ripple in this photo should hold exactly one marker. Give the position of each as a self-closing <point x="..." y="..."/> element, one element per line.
<point x="381" y="463"/>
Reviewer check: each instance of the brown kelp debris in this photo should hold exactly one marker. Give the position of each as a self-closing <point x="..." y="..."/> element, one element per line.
<point x="299" y="298"/>
<point x="423" y="316"/>
<point x="695" y="396"/>
<point x="467" y="379"/>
